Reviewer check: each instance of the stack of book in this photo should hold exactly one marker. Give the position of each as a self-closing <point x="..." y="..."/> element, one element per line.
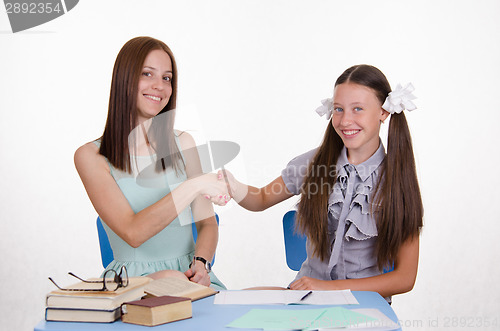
<point x="82" y="306"/>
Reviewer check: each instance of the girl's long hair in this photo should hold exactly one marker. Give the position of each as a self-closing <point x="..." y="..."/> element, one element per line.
<point x="397" y="206"/>
<point x="122" y="108"/>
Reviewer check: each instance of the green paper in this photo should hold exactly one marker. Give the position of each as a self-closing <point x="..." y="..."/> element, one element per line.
<point x="302" y="319"/>
<point x="338" y="317"/>
<point x="277" y="319"/>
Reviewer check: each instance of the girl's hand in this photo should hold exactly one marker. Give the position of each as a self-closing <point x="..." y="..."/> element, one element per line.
<point x="198" y="274"/>
<point x="308" y="283"/>
<point x="235" y="188"/>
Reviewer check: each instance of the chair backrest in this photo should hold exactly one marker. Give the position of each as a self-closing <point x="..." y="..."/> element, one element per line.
<point x="295" y="243"/>
<point x="195" y="231"/>
<point x="107" y="252"/>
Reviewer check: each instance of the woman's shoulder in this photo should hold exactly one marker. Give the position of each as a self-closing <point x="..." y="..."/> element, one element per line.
<point x="186" y="140"/>
<point x="88" y="154"/>
<point x="88" y="149"/>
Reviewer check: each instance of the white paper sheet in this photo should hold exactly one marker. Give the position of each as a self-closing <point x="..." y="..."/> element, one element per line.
<point x="285" y="297"/>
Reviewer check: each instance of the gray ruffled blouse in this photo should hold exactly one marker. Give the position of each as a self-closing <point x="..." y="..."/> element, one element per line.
<point x="352" y="229"/>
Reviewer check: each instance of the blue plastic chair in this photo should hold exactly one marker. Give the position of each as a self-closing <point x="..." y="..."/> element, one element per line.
<point x="107" y="252"/>
<point x="295" y="243"/>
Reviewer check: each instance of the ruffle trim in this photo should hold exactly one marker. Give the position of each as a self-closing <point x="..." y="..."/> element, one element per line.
<point x="360" y="223"/>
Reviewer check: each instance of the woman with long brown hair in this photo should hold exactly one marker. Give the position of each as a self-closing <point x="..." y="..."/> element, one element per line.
<point x="143" y="177"/>
<point x="359" y="207"/>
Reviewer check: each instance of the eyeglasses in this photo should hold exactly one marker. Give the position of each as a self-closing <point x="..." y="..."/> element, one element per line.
<point x="110" y="281"/>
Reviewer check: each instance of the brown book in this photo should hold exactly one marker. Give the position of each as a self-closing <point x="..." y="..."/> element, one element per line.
<point x="101" y="300"/>
<point x="177" y="287"/>
<point x="82" y="315"/>
<point x="156" y="310"/>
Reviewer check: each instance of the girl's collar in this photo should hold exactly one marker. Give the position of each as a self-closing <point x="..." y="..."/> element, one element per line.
<point x="366" y="168"/>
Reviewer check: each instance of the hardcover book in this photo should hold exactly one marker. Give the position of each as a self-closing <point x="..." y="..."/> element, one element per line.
<point x="82" y="315"/>
<point x="156" y="310"/>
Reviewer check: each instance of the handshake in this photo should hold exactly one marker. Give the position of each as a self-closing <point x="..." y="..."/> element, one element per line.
<point x="220" y="188"/>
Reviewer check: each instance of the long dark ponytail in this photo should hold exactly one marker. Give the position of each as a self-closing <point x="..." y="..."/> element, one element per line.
<point x="399" y="204"/>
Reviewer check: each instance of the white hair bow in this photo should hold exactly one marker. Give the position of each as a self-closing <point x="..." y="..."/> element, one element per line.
<point x="400" y="99"/>
<point x="326" y="108"/>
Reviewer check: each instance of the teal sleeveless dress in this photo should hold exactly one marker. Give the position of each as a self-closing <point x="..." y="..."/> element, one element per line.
<point x="170" y="249"/>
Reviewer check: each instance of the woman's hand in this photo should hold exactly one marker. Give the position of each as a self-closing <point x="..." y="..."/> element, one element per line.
<point x="198" y="274"/>
<point x="213" y="189"/>
<point x="220" y="199"/>
<point x="308" y="283"/>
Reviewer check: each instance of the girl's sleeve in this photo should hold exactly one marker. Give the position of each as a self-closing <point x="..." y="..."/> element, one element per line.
<point x="295" y="171"/>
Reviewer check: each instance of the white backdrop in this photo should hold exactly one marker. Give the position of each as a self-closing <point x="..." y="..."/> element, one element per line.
<point x="253" y="72"/>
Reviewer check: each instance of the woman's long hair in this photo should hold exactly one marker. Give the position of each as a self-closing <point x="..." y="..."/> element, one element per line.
<point x="122" y="108"/>
<point x="397" y="205"/>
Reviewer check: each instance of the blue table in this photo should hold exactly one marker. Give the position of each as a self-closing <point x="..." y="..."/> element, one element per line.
<point x="210" y="317"/>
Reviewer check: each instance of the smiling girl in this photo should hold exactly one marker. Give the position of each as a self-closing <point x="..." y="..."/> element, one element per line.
<point x="143" y="214"/>
<point x="360" y="208"/>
